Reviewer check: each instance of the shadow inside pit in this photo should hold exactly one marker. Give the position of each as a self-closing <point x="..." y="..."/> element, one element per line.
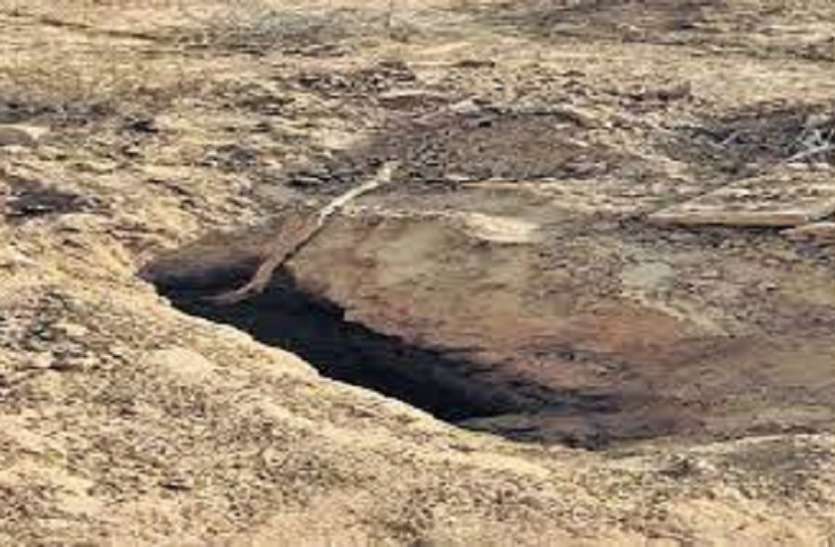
<point x="285" y="316"/>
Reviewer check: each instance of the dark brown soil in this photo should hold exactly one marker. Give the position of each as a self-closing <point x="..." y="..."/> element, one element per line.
<point x="758" y="137"/>
<point x="488" y="144"/>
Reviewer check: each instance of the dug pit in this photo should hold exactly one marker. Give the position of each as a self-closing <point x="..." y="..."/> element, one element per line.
<point x="285" y="315"/>
<point x="545" y="336"/>
<point x="451" y="383"/>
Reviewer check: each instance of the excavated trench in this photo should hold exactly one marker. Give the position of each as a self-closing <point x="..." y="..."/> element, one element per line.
<point x="586" y="345"/>
<point x="456" y="383"/>
<point x="441" y="381"/>
<point x="288" y="317"/>
<point x="580" y="346"/>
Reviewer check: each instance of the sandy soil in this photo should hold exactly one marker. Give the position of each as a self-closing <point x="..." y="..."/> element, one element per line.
<point x="599" y="283"/>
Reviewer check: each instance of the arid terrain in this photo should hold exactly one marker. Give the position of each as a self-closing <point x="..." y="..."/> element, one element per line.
<point x="585" y="297"/>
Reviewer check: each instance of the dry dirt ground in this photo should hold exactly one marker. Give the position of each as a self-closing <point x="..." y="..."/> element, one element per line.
<point x="595" y="304"/>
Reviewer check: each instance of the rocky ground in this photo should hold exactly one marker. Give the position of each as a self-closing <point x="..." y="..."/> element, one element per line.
<point x="593" y="305"/>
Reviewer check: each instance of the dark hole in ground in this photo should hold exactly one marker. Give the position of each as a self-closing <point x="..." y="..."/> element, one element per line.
<point x="317" y="331"/>
<point x="446" y="383"/>
<point x="527" y="392"/>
